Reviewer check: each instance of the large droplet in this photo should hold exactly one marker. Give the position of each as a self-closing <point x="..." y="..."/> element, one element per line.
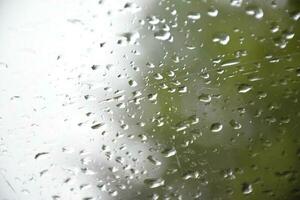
<point x="216" y="127"/>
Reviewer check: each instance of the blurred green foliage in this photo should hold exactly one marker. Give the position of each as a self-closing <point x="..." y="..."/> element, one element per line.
<point x="263" y="152"/>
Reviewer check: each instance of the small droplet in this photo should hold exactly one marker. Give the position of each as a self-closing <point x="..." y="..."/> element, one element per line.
<point x="113" y="193"/>
<point x="162" y="35"/>
<point x="168" y="152"/>
<point x="255" y="11"/>
<point x="131" y="38"/>
<point x="194" y="15"/>
<point x="182" y="89"/>
<point x="231" y="62"/>
<point x="247" y="188"/>
<point x="96" y="126"/>
<point x="190" y="175"/>
<point x="150" y="65"/>
<point x="152" y="97"/>
<point x="158" y="76"/>
<point x="40" y="154"/>
<point x="206" y="98"/>
<point x="213" y="12"/>
<point x="235" y="124"/>
<point x="155" y="182"/>
<point x="295" y="16"/>
<point x="132" y="83"/>
<point x="244" y="88"/>
<point x="298" y="72"/>
<point x="3" y="65"/>
<point x="236" y="3"/>
<point x="153" y="20"/>
<point x="153" y="160"/>
<point x="221" y="38"/>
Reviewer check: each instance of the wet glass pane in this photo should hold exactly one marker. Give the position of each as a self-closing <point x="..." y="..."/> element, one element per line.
<point x="152" y="99"/>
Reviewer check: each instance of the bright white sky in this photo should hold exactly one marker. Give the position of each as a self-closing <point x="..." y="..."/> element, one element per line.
<point x="33" y="33"/>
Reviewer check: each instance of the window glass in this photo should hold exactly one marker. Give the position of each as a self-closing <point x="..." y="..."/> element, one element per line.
<point x="152" y="99"/>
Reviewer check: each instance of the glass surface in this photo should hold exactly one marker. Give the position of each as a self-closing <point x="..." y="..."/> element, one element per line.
<point x="170" y="99"/>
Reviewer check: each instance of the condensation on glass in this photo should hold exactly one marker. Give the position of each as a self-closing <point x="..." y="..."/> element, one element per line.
<point x="185" y="99"/>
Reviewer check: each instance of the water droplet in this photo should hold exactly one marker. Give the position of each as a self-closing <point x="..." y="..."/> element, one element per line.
<point x="162" y="35"/>
<point x="255" y="11"/>
<point x="274" y="28"/>
<point x="228" y="63"/>
<point x="235" y="124"/>
<point x="155" y="182"/>
<point x="298" y="72"/>
<point x="168" y="152"/>
<point x="295" y="16"/>
<point x="244" y="88"/>
<point x="153" y="20"/>
<point x="236" y="3"/>
<point x="152" y="97"/>
<point x="150" y="65"/>
<point x="131" y="38"/>
<point x="182" y="89"/>
<point x="113" y="193"/>
<point x="132" y="83"/>
<point x="3" y="65"/>
<point x="40" y="154"/>
<point x="216" y="127"/>
<point x="153" y="160"/>
<point x="221" y="38"/>
<point x="131" y="7"/>
<point x="206" y="98"/>
<point x="212" y="12"/>
<point x="193" y="15"/>
<point x="191" y="175"/>
<point x="158" y="76"/>
<point x="96" y="126"/>
<point x="247" y="188"/>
